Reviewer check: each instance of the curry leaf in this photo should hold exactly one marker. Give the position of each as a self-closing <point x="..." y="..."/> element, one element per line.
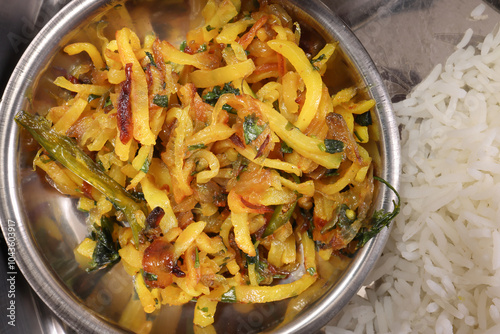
<point x="106" y="250"/>
<point x="333" y="146"/>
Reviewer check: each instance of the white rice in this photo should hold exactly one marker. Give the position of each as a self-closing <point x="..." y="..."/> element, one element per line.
<point x="477" y="13"/>
<point x="440" y="271"/>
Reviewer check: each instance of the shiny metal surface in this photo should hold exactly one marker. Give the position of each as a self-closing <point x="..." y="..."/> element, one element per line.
<point x="405" y="38"/>
<point x="49" y="227"/>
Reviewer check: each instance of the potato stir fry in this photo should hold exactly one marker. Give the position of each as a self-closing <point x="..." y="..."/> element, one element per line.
<point x="214" y="169"/>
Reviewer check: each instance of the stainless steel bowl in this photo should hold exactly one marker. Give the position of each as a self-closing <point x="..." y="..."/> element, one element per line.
<point x="48" y="226"/>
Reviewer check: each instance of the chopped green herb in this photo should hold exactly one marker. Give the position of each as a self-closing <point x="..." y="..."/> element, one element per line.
<point x="161" y="100"/>
<point x="229" y="109"/>
<point x="151" y="59"/>
<point x="343" y="218"/>
<point x="229" y="296"/>
<point x="251" y="130"/>
<point x="202" y="48"/>
<point x="204" y="309"/>
<point x="145" y="166"/>
<point x="209" y="27"/>
<point x="315" y="60"/>
<point x="106" y="250"/>
<point x="196" y="147"/>
<point x="108" y="102"/>
<point x="279" y="276"/>
<point x="311" y="271"/>
<point x="364" y="119"/>
<point x="333" y="146"/>
<point x="380" y="219"/>
<point x="213" y="96"/>
<point x="332" y="172"/>
<point x="197" y="260"/>
<point x="285" y="148"/>
<point x="92" y="97"/>
<point x="183" y="46"/>
<point x="149" y="276"/>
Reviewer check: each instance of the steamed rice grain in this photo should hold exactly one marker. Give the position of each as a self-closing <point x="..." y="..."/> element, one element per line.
<point x="440" y="271"/>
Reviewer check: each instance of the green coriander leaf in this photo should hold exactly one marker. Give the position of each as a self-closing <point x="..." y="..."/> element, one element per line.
<point x="229" y="109"/>
<point x="311" y="271"/>
<point x="251" y="130"/>
<point x="106" y="250"/>
<point x="145" y="166"/>
<point x="196" y="147"/>
<point x="229" y="296"/>
<point x="197" y="261"/>
<point x="285" y="148"/>
<point x="213" y="96"/>
<point x="161" y="100"/>
<point x="108" y="102"/>
<point x="333" y="146"/>
<point x="183" y="46"/>
<point x="151" y="59"/>
<point x="149" y="276"/>
<point x="364" y="119"/>
<point x="202" y="48"/>
<point x="315" y="60"/>
<point x="92" y="97"/>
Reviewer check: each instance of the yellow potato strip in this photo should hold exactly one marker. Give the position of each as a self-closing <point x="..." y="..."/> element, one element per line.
<point x="231" y="31"/>
<point x="304" y="188"/>
<point x="91" y="50"/>
<point x="139" y="91"/>
<point x="309" y="255"/>
<point x="306" y="146"/>
<point x="82" y="89"/>
<point x="312" y="79"/>
<point x="187" y="237"/>
<point x="70" y="116"/>
<point x="249" y="153"/>
<point x="213" y="163"/>
<point x="63" y="182"/>
<point x="174" y="55"/>
<point x="210" y="134"/>
<point x="221" y="75"/>
<point x="266" y="294"/>
<point x="159" y="198"/>
<point x="147" y="300"/>
<point x="341" y="183"/>
<point x="204" y="311"/>
<point x="242" y="233"/>
<point x="209" y="245"/>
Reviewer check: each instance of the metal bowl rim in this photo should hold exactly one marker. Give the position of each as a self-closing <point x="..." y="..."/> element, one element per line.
<point x="45" y="281"/>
